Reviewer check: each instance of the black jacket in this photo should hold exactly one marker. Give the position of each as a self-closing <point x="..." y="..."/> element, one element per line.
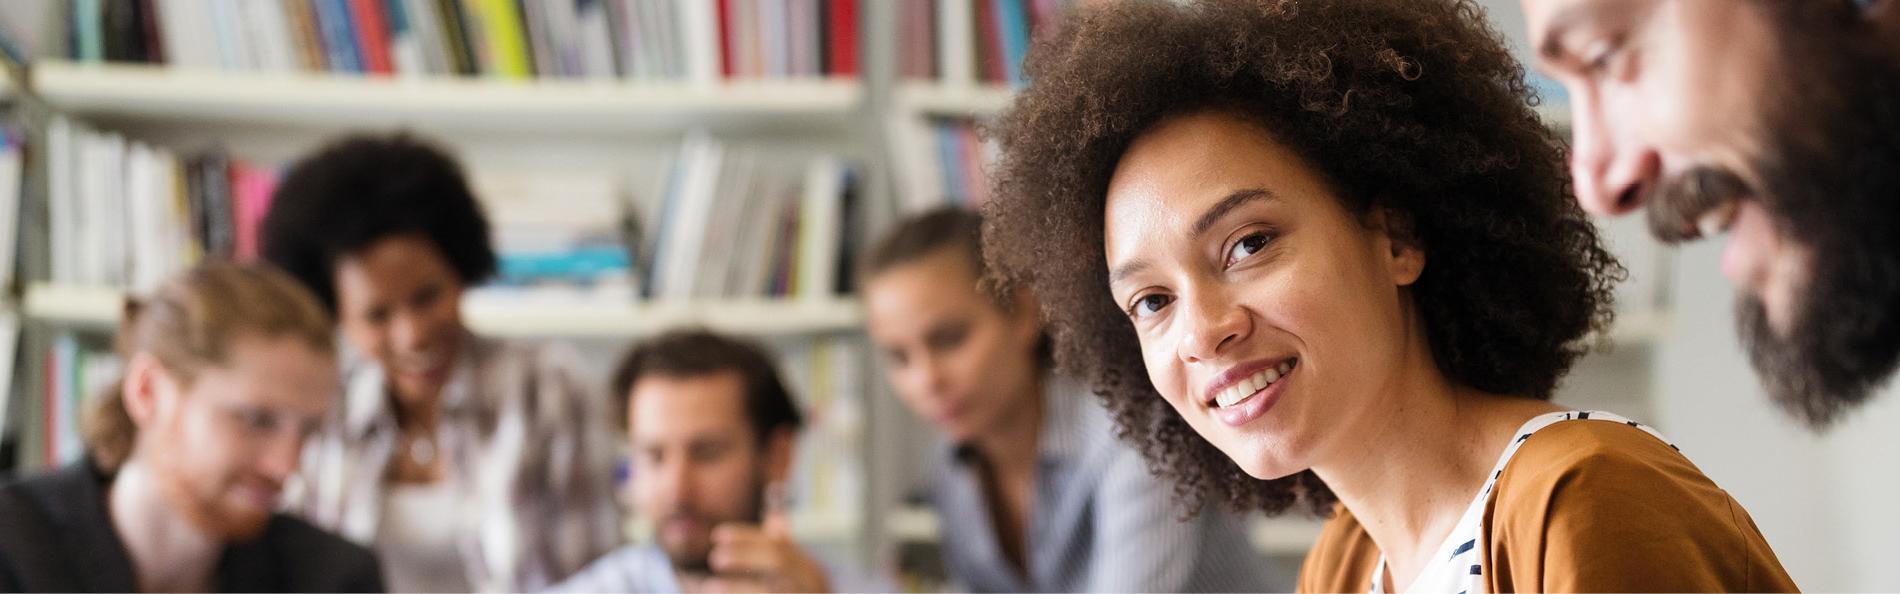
<point x="56" y="536"/>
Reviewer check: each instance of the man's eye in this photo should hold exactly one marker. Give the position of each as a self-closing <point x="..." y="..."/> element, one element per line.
<point x="1149" y="305"/>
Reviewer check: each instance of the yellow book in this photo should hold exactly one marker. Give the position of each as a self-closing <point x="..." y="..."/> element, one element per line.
<point x="507" y="46"/>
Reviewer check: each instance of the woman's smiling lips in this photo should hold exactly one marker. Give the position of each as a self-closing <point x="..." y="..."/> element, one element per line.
<point x="1245" y="392"/>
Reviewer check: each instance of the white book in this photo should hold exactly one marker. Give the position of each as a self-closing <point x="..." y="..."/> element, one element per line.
<point x="820" y="228"/>
<point x="112" y="210"/>
<point x="10" y="169"/>
<point x="699" y="29"/>
<point x="956" y="42"/>
<point x="564" y="31"/>
<point x="149" y="205"/>
<point x="774" y="38"/>
<point x="268" y="29"/>
<point x="233" y="42"/>
<point x="541" y="41"/>
<point x="9" y="345"/>
<point x="738" y="182"/>
<point x="596" y="40"/>
<point x="920" y="177"/>
<point x="622" y="21"/>
<point x="683" y="226"/>
<point x="406" y="57"/>
<point x="669" y="42"/>
<point x="90" y="208"/>
<point x="425" y="27"/>
<point x="62" y="200"/>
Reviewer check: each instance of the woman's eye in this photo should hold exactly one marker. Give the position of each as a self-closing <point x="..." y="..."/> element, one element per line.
<point x="1247" y="246"/>
<point x="1149" y="305"/>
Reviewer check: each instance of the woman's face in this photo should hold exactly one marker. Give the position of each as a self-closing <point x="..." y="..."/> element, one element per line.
<point x="957" y="359"/>
<point x="1272" y="319"/>
<point x="399" y="302"/>
<point x="221" y="446"/>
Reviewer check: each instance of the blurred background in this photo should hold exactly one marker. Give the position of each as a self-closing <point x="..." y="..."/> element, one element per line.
<point x="658" y="163"/>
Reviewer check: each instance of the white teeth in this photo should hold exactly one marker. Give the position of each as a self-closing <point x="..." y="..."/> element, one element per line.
<point x="1250" y="384"/>
<point x="1716" y="220"/>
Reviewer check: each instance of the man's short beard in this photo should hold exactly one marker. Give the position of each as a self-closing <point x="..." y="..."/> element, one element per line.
<point x="699" y="562"/>
<point x="1832" y="185"/>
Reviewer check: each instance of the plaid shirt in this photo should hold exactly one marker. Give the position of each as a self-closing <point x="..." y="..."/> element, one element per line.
<point x="527" y="450"/>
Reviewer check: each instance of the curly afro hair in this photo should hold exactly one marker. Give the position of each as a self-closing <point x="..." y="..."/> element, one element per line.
<point x="1412" y="107"/>
<point x="361" y="189"/>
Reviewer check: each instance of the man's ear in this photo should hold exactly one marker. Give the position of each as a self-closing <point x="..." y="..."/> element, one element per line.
<point x="1399" y="243"/>
<point x="779" y="446"/>
<point x="145" y="378"/>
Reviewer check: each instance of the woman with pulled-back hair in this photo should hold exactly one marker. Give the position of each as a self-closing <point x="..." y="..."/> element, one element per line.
<point x="228" y="369"/>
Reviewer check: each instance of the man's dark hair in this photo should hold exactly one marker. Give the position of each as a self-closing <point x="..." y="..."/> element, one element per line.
<point x="362" y="189"/>
<point x="699" y="353"/>
<point x="1409" y="107"/>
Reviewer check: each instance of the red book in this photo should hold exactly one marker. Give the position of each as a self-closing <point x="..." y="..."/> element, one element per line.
<point x="843" y="30"/>
<point x="372" y="36"/>
<point x="989" y="43"/>
<point x="976" y="181"/>
<point x="725" y="38"/>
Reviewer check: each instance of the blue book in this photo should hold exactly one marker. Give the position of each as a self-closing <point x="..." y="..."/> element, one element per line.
<point x="89" y="31"/>
<point x="398" y="16"/>
<point x="339" y="35"/>
<point x="1014" y="19"/>
<point x="951" y="155"/>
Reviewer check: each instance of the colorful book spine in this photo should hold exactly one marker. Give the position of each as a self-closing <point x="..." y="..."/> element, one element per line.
<point x="842" y="38"/>
<point x="507" y="43"/>
<point x="372" y="36"/>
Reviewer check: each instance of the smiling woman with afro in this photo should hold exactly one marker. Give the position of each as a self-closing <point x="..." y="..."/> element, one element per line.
<point x="1323" y="252"/>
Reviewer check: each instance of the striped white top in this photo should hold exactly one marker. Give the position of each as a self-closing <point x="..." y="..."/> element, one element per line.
<point x="1462" y="568"/>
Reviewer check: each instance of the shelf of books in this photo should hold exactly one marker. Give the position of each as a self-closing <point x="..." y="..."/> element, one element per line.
<point x="506" y="314"/>
<point x="115" y="91"/>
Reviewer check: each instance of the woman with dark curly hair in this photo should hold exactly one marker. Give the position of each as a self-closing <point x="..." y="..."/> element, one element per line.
<point x="469" y="464"/>
<point x="1322" y="252"/>
<point x="1034" y="492"/>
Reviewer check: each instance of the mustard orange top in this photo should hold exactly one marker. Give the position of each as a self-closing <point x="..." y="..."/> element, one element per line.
<point x="1588" y="506"/>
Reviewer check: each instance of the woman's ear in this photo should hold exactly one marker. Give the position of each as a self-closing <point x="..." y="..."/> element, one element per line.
<point x="1399" y="243"/>
<point x="145" y="378"/>
<point x="1026" y="312"/>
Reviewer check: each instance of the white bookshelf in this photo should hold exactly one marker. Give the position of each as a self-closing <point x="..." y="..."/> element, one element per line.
<point x="331" y="101"/>
<point x="533" y="316"/>
<point x="937" y="99"/>
<point x="964" y="100"/>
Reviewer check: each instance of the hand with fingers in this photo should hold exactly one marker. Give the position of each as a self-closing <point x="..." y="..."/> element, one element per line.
<point x="763" y="558"/>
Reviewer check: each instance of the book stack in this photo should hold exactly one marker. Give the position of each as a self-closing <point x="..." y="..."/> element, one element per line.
<point x="559" y="229"/>
<point x="826" y="375"/>
<point x="696" y="40"/>
<point x="126" y="214"/>
<point x="967" y="42"/>
<point x="742" y="222"/>
<point x="940" y="161"/>
<point x="76" y="373"/>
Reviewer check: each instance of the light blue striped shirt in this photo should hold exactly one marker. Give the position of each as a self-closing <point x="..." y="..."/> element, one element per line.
<point x="1099" y="521"/>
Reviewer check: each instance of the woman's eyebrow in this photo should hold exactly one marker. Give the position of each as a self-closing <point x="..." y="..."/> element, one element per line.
<point x="1226" y="205"/>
